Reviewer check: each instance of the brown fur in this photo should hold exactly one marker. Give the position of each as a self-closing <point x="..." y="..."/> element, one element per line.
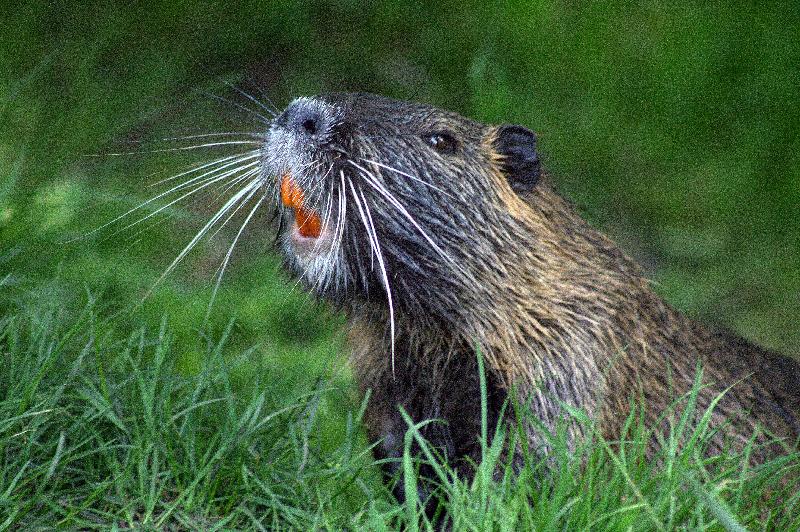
<point x="559" y="312"/>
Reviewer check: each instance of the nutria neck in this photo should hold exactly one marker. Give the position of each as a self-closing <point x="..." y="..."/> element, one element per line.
<point x="559" y="304"/>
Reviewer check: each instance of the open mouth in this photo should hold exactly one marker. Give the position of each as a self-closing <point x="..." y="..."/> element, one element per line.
<point x="308" y="223"/>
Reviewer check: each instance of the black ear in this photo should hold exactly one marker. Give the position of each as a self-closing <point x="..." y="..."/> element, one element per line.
<point x="519" y="160"/>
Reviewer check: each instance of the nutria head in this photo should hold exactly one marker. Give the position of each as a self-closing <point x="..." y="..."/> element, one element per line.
<point x="394" y="203"/>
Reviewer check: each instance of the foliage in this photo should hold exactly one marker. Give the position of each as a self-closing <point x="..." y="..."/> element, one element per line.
<point x="97" y="432"/>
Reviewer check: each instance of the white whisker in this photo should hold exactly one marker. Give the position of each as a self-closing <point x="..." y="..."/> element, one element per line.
<point x="220" y="134"/>
<point x="373" y="236"/>
<point x="205" y="178"/>
<point x="232" y="246"/>
<point x="415" y="178"/>
<point x="271" y="105"/>
<point x="246" y="176"/>
<point x="240" y="157"/>
<point x="214" y="219"/>
<point x="205" y="183"/>
<point x="230" y="185"/>
<point x="338" y="235"/>
<point x="179" y="148"/>
<point x="319" y="184"/>
<point x="238" y="106"/>
<point x="271" y="112"/>
<point x="370" y="180"/>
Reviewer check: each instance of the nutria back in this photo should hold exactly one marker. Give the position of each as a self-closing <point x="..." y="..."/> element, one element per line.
<point x="439" y="236"/>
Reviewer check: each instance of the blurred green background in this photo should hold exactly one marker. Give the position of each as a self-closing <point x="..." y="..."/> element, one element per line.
<point x="673" y="128"/>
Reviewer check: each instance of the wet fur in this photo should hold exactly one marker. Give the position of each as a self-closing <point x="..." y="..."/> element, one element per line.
<point x="559" y="312"/>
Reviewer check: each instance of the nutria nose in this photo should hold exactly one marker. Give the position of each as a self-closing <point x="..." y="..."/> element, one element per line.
<point x="305" y="117"/>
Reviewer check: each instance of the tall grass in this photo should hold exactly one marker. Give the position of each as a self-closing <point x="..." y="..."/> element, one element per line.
<point x="97" y="432"/>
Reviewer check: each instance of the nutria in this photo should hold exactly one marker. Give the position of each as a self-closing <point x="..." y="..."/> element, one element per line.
<point x="440" y="236"/>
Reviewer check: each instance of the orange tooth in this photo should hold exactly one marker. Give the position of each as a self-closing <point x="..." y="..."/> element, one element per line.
<point x="291" y="194"/>
<point x="309" y="224"/>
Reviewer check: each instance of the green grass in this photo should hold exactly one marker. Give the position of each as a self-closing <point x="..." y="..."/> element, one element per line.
<point x="97" y="433"/>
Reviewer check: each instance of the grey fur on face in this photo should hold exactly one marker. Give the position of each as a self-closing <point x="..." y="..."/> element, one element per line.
<point x="414" y="201"/>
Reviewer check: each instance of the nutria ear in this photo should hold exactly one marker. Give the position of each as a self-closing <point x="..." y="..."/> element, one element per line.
<point x="519" y="160"/>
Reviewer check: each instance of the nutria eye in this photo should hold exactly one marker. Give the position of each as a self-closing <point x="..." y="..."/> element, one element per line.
<point x="441" y="142"/>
